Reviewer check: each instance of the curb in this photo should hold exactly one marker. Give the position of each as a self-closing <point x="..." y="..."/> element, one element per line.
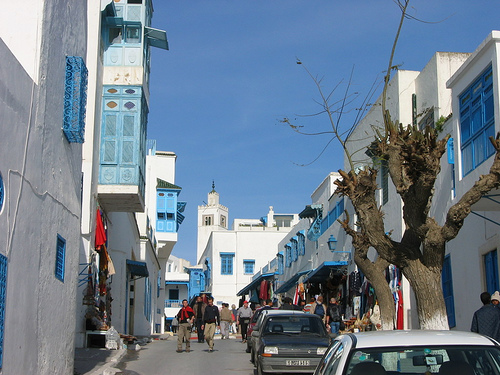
<point x="108" y="368"/>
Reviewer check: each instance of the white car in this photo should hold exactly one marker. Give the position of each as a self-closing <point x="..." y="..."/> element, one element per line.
<point x="411" y="353"/>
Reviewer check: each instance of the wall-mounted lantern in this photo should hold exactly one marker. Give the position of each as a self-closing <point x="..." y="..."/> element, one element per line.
<point x="332" y="243"/>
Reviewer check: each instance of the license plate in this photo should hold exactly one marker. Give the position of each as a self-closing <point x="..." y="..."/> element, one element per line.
<point x="296" y="362"/>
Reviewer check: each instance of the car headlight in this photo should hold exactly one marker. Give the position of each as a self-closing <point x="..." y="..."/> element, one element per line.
<point x="321" y="350"/>
<point x="271" y="350"/>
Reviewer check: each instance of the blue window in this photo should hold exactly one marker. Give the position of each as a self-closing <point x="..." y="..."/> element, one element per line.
<point x="75" y="99"/>
<point x="248" y="266"/>
<point x="301" y="242"/>
<point x="2" y="193"/>
<point x="491" y="271"/>
<point x="166" y="207"/>
<point x="147" y="299"/>
<point x="280" y="263"/>
<point x="447" y="282"/>
<point x="158" y="284"/>
<point x="3" y="293"/>
<point x="477" y="122"/>
<point x="226" y="266"/>
<point x="60" y="257"/>
<point x="295" y="248"/>
<point x="288" y="255"/>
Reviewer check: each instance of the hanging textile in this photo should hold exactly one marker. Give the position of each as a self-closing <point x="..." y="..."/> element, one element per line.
<point x="296" y="296"/>
<point x="400" y="315"/>
<point x="100" y="232"/>
<point x="263" y="295"/>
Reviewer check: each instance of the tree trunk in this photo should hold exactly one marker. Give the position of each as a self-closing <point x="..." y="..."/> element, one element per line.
<point x="426" y="284"/>
<point x="384" y="297"/>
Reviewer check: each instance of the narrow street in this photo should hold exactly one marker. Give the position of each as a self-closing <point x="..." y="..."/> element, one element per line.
<point x="160" y="357"/>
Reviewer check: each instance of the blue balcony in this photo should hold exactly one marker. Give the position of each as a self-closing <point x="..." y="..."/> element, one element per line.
<point x="123" y="149"/>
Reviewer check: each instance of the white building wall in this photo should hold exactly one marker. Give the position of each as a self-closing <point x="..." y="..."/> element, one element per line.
<point x="42" y="177"/>
<point x="90" y="158"/>
<point x="123" y="244"/>
<point x="477" y="236"/>
<point x="247" y="241"/>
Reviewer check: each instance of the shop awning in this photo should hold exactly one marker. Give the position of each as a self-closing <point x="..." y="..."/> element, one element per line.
<point x="137" y="268"/>
<point x="291" y="282"/>
<point x="254" y="283"/>
<point x="323" y="271"/>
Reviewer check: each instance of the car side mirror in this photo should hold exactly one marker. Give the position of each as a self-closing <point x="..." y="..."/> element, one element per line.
<point x="255" y="333"/>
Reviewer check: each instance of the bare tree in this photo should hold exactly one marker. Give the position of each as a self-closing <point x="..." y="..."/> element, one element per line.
<point x="413" y="159"/>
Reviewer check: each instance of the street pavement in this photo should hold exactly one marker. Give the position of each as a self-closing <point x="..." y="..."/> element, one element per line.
<point x="159" y="357"/>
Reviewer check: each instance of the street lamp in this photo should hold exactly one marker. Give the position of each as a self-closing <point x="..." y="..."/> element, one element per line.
<point x="332" y="243"/>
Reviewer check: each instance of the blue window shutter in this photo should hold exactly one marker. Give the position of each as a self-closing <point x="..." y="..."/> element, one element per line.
<point x="60" y="258"/>
<point x="161" y="215"/>
<point x="447" y="283"/>
<point x="3" y="294"/>
<point x="226" y="263"/>
<point x="491" y="271"/>
<point x="477" y="121"/>
<point x="75" y="99"/>
<point x="281" y="267"/>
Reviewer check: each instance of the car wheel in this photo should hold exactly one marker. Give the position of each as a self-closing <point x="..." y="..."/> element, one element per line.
<point x="252" y="357"/>
<point x="248" y="350"/>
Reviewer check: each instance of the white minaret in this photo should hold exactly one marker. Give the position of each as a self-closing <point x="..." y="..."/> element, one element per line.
<point x="211" y="217"/>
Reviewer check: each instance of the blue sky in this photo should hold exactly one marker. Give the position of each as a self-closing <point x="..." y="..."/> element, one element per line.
<point x="230" y="76"/>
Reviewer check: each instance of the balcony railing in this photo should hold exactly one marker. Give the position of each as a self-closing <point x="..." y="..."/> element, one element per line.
<point x="173" y="303"/>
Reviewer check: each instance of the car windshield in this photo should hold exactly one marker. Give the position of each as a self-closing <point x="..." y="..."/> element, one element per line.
<point x="453" y="360"/>
<point x="294" y="325"/>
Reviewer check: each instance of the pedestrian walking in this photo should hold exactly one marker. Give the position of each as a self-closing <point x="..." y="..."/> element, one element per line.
<point x="307" y="307"/>
<point x="199" y="310"/>
<point x="244" y="315"/>
<point x="495" y="298"/>
<point x="318" y="308"/>
<point x="486" y="320"/>
<point x="174" y="325"/>
<point x="186" y="318"/>
<point x="333" y="316"/>
<point x="268" y="305"/>
<point x="225" y="320"/>
<point x="211" y="319"/>
<point x="234" y="314"/>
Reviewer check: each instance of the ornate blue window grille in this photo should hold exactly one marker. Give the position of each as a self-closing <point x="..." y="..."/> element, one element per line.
<point x="75" y="99"/>
<point x="3" y="293"/>
<point x="60" y="257"/>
